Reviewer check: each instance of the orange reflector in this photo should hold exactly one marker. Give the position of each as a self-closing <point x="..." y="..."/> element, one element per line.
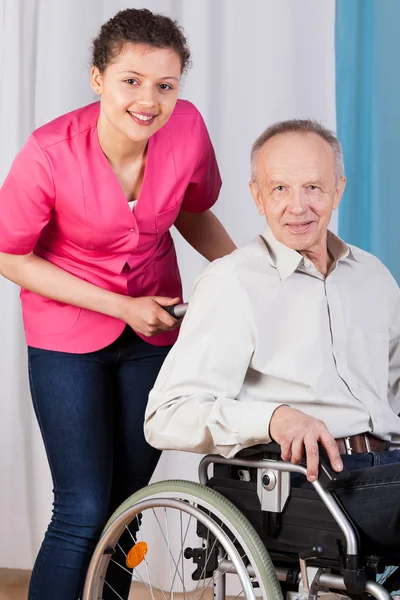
<point x="136" y="555"/>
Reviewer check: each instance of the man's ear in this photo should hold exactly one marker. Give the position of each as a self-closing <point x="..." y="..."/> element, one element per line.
<point x="339" y="192"/>
<point x="257" y="197"/>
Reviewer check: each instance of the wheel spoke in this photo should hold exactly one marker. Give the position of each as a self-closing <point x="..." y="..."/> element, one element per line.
<point x="201" y="578"/>
<point x="130" y="533"/>
<point x="112" y="589"/>
<point x="157" y="590"/>
<point x="180" y="558"/>
<point x="122" y="566"/>
<point x="183" y="541"/>
<point x="165" y="540"/>
<point x="149" y="570"/>
<point x="120" y="547"/>
<point x="223" y="536"/>
<point x="170" y="554"/>
<point x="214" y="579"/>
<point x="140" y="578"/>
<point x="145" y="561"/>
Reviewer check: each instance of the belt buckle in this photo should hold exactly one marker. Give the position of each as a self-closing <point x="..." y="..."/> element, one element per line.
<point x="367" y="444"/>
<point x="349" y="449"/>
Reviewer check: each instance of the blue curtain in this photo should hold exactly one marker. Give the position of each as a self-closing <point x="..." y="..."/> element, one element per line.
<point x="368" y="124"/>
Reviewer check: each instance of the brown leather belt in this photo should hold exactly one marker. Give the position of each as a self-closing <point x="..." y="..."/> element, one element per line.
<point x="360" y="443"/>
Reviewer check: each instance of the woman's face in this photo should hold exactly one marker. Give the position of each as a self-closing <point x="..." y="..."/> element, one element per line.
<point x="139" y="90"/>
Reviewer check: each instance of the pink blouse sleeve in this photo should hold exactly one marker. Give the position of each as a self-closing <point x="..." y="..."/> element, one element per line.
<point x="26" y="200"/>
<point x="205" y="184"/>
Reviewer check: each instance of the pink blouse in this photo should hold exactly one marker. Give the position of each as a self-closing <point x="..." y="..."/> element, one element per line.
<point x="62" y="200"/>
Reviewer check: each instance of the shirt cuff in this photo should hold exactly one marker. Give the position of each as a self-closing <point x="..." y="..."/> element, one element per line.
<point x="254" y="423"/>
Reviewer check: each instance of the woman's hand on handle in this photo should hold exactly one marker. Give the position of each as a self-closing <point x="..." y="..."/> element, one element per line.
<point x="144" y="314"/>
<point x="147" y="316"/>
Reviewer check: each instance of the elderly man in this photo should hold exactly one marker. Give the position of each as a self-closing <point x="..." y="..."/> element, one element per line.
<point x="293" y="338"/>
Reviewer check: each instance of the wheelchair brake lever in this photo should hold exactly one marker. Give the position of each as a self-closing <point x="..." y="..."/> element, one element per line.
<point x="310" y="553"/>
<point x="314" y="552"/>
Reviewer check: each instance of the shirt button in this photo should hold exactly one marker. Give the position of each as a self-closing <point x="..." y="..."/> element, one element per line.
<point x="131" y="230"/>
<point x="333" y="315"/>
<point x="339" y="353"/>
<point x="307" y="264"/>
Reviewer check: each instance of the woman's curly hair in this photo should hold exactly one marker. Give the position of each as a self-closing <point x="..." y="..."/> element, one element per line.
<point x="138" y="26"/>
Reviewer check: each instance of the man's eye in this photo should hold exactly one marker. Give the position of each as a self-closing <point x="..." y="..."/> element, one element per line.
<point x="280" y="188"/>
<point x="131" y="81"/>
<point x="165" y="86"/>
<point x="313" y="188"/>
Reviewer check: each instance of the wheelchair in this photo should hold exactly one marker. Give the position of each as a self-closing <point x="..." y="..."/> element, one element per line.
<point x="243" y="532"/>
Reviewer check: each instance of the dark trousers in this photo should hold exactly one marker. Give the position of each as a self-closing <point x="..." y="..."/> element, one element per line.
<point x="90" y="409"/>
<point x="372" y="500"/>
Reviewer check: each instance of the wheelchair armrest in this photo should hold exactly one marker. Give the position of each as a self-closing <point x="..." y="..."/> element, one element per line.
<point x="273" y="449"/>
<point x="328" y="478"/>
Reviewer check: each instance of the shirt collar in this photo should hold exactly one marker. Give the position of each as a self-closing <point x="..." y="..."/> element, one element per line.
<point x="287" y="260"/>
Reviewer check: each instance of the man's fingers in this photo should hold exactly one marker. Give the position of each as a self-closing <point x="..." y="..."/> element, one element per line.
<point x="297" y="450"/>
<point x="286" y="450"/>
<point x="312" y="457"/>
<point x="333" y="451"/>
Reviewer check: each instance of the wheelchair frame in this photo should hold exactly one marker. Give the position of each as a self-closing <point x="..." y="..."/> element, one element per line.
<point x="353" y="579"/>
<point x="322" y="579"/>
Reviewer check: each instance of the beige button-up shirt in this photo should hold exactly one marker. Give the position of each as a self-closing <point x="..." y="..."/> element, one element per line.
<point x="265" y="328"/>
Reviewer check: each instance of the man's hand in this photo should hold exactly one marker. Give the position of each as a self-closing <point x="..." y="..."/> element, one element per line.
<point x="294" y="430"/>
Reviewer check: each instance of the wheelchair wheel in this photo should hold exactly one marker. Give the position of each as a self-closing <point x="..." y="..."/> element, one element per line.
<point x="201" y="538"/>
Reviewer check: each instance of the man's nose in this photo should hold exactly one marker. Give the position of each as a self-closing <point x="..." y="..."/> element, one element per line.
<point x="297" y="202"/>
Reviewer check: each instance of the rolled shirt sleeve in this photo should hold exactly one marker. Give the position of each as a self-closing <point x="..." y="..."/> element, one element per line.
<point x="195" y="403"/>
<point x="26" y="200"/>
<point x="205" y="183"/>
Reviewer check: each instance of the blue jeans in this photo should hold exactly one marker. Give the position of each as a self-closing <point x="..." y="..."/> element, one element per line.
<point x="90" y="409"/>
<point x="372" y="499"/>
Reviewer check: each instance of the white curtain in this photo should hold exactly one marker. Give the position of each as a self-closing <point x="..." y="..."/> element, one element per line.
<point x="253" y="63"/>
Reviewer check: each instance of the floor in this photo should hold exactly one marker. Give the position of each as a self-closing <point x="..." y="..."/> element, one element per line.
<point x="14" y="584"/>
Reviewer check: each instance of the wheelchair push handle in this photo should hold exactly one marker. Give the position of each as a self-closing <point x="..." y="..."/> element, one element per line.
<point x="177" y="310"/>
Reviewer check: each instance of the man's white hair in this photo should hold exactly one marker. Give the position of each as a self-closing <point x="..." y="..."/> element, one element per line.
<point x="298" y="126"/>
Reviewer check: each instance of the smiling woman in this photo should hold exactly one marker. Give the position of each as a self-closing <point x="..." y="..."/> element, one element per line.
<point x="95" y="276"/>
<point x="139" y="92"/>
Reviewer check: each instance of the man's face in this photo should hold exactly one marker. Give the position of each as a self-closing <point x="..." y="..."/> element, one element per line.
<point x="297" y="189"/>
